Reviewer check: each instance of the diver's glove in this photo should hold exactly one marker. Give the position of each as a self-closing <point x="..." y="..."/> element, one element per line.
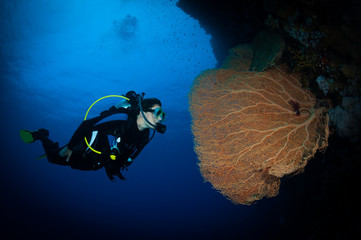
<point x="132" y="102"/>
<point x="122" y="104"/>
<point x="112" y="168"/>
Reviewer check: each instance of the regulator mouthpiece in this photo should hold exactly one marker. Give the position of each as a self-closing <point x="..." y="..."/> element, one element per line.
<point x="161" y="128"/>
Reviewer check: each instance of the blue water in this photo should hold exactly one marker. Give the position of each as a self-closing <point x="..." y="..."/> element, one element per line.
<point x="57" y="58"/>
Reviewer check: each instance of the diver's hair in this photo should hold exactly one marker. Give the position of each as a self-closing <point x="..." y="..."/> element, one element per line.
<point x="148" y="103"/>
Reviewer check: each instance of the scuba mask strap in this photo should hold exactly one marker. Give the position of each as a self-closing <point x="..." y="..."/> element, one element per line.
<point x="161" y="128"/>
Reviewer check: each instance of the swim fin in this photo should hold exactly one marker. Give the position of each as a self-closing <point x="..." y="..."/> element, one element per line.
<point x="42" y="156"/>
<point x="26" y="136"/>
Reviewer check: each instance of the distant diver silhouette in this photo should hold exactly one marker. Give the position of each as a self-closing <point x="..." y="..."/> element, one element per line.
<point x="90" y="149"/>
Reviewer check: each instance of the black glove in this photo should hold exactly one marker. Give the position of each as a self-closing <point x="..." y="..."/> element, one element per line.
<point x="112" y="168"/>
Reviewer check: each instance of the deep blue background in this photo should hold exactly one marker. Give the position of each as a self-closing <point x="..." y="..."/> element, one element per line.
<point x="57" y="57"/>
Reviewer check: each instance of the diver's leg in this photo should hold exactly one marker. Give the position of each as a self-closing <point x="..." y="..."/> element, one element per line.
<point x="51" y="149"/>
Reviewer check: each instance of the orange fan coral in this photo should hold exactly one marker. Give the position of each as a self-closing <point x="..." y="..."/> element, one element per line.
<point x="250" y="129"/>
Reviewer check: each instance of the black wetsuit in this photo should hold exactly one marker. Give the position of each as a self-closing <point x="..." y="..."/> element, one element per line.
<point x="130" y="143"/>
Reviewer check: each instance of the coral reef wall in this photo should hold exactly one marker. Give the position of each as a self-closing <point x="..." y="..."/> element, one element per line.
<point x="253" y="128"/>
<point x="322" y="41"/>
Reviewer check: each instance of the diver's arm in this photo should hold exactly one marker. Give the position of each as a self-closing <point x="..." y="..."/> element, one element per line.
<point x="122" y="107"/>
<point x="86" y="126"/>
<point x="82" y="130"/>
<point x="135" y="154"/>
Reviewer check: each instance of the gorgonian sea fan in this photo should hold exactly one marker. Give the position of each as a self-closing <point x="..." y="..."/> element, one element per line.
<point x="252" y="128"/>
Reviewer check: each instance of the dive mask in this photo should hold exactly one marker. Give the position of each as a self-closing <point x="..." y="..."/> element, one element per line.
<point x="159" y="114"/>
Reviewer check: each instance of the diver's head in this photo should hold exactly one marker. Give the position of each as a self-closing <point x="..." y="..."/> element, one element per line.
<point x="152" y="112"/>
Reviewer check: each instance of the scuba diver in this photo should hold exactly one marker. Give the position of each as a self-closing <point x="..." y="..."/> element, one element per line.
<point x="129" y="136"/>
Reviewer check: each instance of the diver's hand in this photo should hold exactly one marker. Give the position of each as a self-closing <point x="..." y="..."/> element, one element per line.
<point x="122" y="104"/>
<point x="66" y="152"/>
<point x="115" y="109"/>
